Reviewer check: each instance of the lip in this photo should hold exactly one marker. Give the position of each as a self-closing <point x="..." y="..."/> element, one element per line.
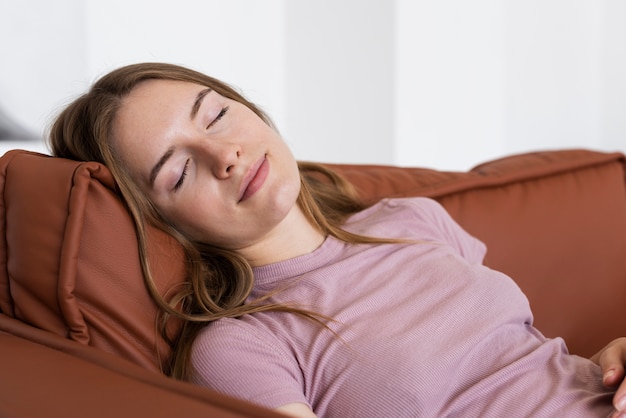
<point x="254" y="179"/>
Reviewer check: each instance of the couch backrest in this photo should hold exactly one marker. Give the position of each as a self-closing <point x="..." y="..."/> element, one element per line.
<point x="70" y="260"/>
<point x="554" y="221"/>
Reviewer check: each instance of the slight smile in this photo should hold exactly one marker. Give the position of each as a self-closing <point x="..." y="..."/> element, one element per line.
<point x="254" y="179"/>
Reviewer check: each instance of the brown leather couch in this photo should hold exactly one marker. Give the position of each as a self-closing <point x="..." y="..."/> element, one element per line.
<point x="77" y="334"/>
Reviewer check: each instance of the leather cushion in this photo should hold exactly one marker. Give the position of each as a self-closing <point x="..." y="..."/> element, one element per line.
<point x="70" y="258"/>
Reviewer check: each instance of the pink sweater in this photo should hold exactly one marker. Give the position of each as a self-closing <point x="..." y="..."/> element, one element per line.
<point x="423" y="329"/>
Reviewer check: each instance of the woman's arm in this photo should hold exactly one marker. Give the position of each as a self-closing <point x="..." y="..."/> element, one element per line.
<point x="611" y="360"/>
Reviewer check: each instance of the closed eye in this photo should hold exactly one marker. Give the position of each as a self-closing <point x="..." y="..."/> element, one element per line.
<point x="180" y="181"/>
<point x="218" y="117"/>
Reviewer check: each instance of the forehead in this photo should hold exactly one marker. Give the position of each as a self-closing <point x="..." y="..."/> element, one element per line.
<point x="159" y="94"/>
<point x="153" y="113"/>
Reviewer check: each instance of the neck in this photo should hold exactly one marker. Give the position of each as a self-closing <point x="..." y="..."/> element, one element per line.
<point x="293" y="237"/>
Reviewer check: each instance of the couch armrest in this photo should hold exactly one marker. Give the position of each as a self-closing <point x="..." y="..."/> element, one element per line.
<point x="45" y="374"/>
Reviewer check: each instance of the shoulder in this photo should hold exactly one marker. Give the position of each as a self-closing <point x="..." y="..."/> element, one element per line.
<point x="419" y="218"/>
<point x="423" y="206"/>
<point x="397" y="214"/>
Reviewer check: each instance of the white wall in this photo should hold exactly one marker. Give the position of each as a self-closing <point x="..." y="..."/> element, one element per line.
<point x="238" y="41"/>
<point x="340" y="84"/>
<point x="440" y="83"/>
<point x="484" y="78"/>
<point x="450" y="61"/>
<point x="612" y="52"/>
<point x="42" y="48"/>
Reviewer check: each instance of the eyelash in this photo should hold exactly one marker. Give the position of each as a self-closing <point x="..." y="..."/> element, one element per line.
<point x="179" y="183"/>
<point x="218" y="117"/>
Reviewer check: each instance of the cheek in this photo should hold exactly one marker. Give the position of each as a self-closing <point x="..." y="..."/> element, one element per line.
<point x="205" y="221"/>
<point x="189" y="217"/>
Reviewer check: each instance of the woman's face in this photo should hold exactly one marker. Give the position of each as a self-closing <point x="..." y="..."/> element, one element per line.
<point x="210" y="164"/>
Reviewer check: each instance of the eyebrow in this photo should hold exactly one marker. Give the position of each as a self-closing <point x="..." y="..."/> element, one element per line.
<point x="160" y="164"/>
<point x="198" y="102"/>
<point x="194" y="111"/>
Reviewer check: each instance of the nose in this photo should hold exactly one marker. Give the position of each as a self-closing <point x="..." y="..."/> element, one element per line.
<point x="222" y="157"/>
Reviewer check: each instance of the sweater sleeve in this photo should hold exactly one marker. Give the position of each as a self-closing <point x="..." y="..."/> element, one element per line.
<point x="233" y="358"/>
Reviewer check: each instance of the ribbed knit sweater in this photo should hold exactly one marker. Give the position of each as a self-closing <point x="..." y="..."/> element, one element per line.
<point x="422" y="329"/>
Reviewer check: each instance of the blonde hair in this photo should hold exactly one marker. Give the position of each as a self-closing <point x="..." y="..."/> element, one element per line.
<point x="218" y="281"/>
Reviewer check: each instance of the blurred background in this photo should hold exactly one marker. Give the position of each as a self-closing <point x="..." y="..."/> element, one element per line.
<point x="434" y="83"/>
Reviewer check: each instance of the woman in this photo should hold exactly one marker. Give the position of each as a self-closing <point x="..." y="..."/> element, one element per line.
<point x="299" y="298"/>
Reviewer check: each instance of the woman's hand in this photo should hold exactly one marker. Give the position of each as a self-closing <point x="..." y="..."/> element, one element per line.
<point x="612" y="360"/>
